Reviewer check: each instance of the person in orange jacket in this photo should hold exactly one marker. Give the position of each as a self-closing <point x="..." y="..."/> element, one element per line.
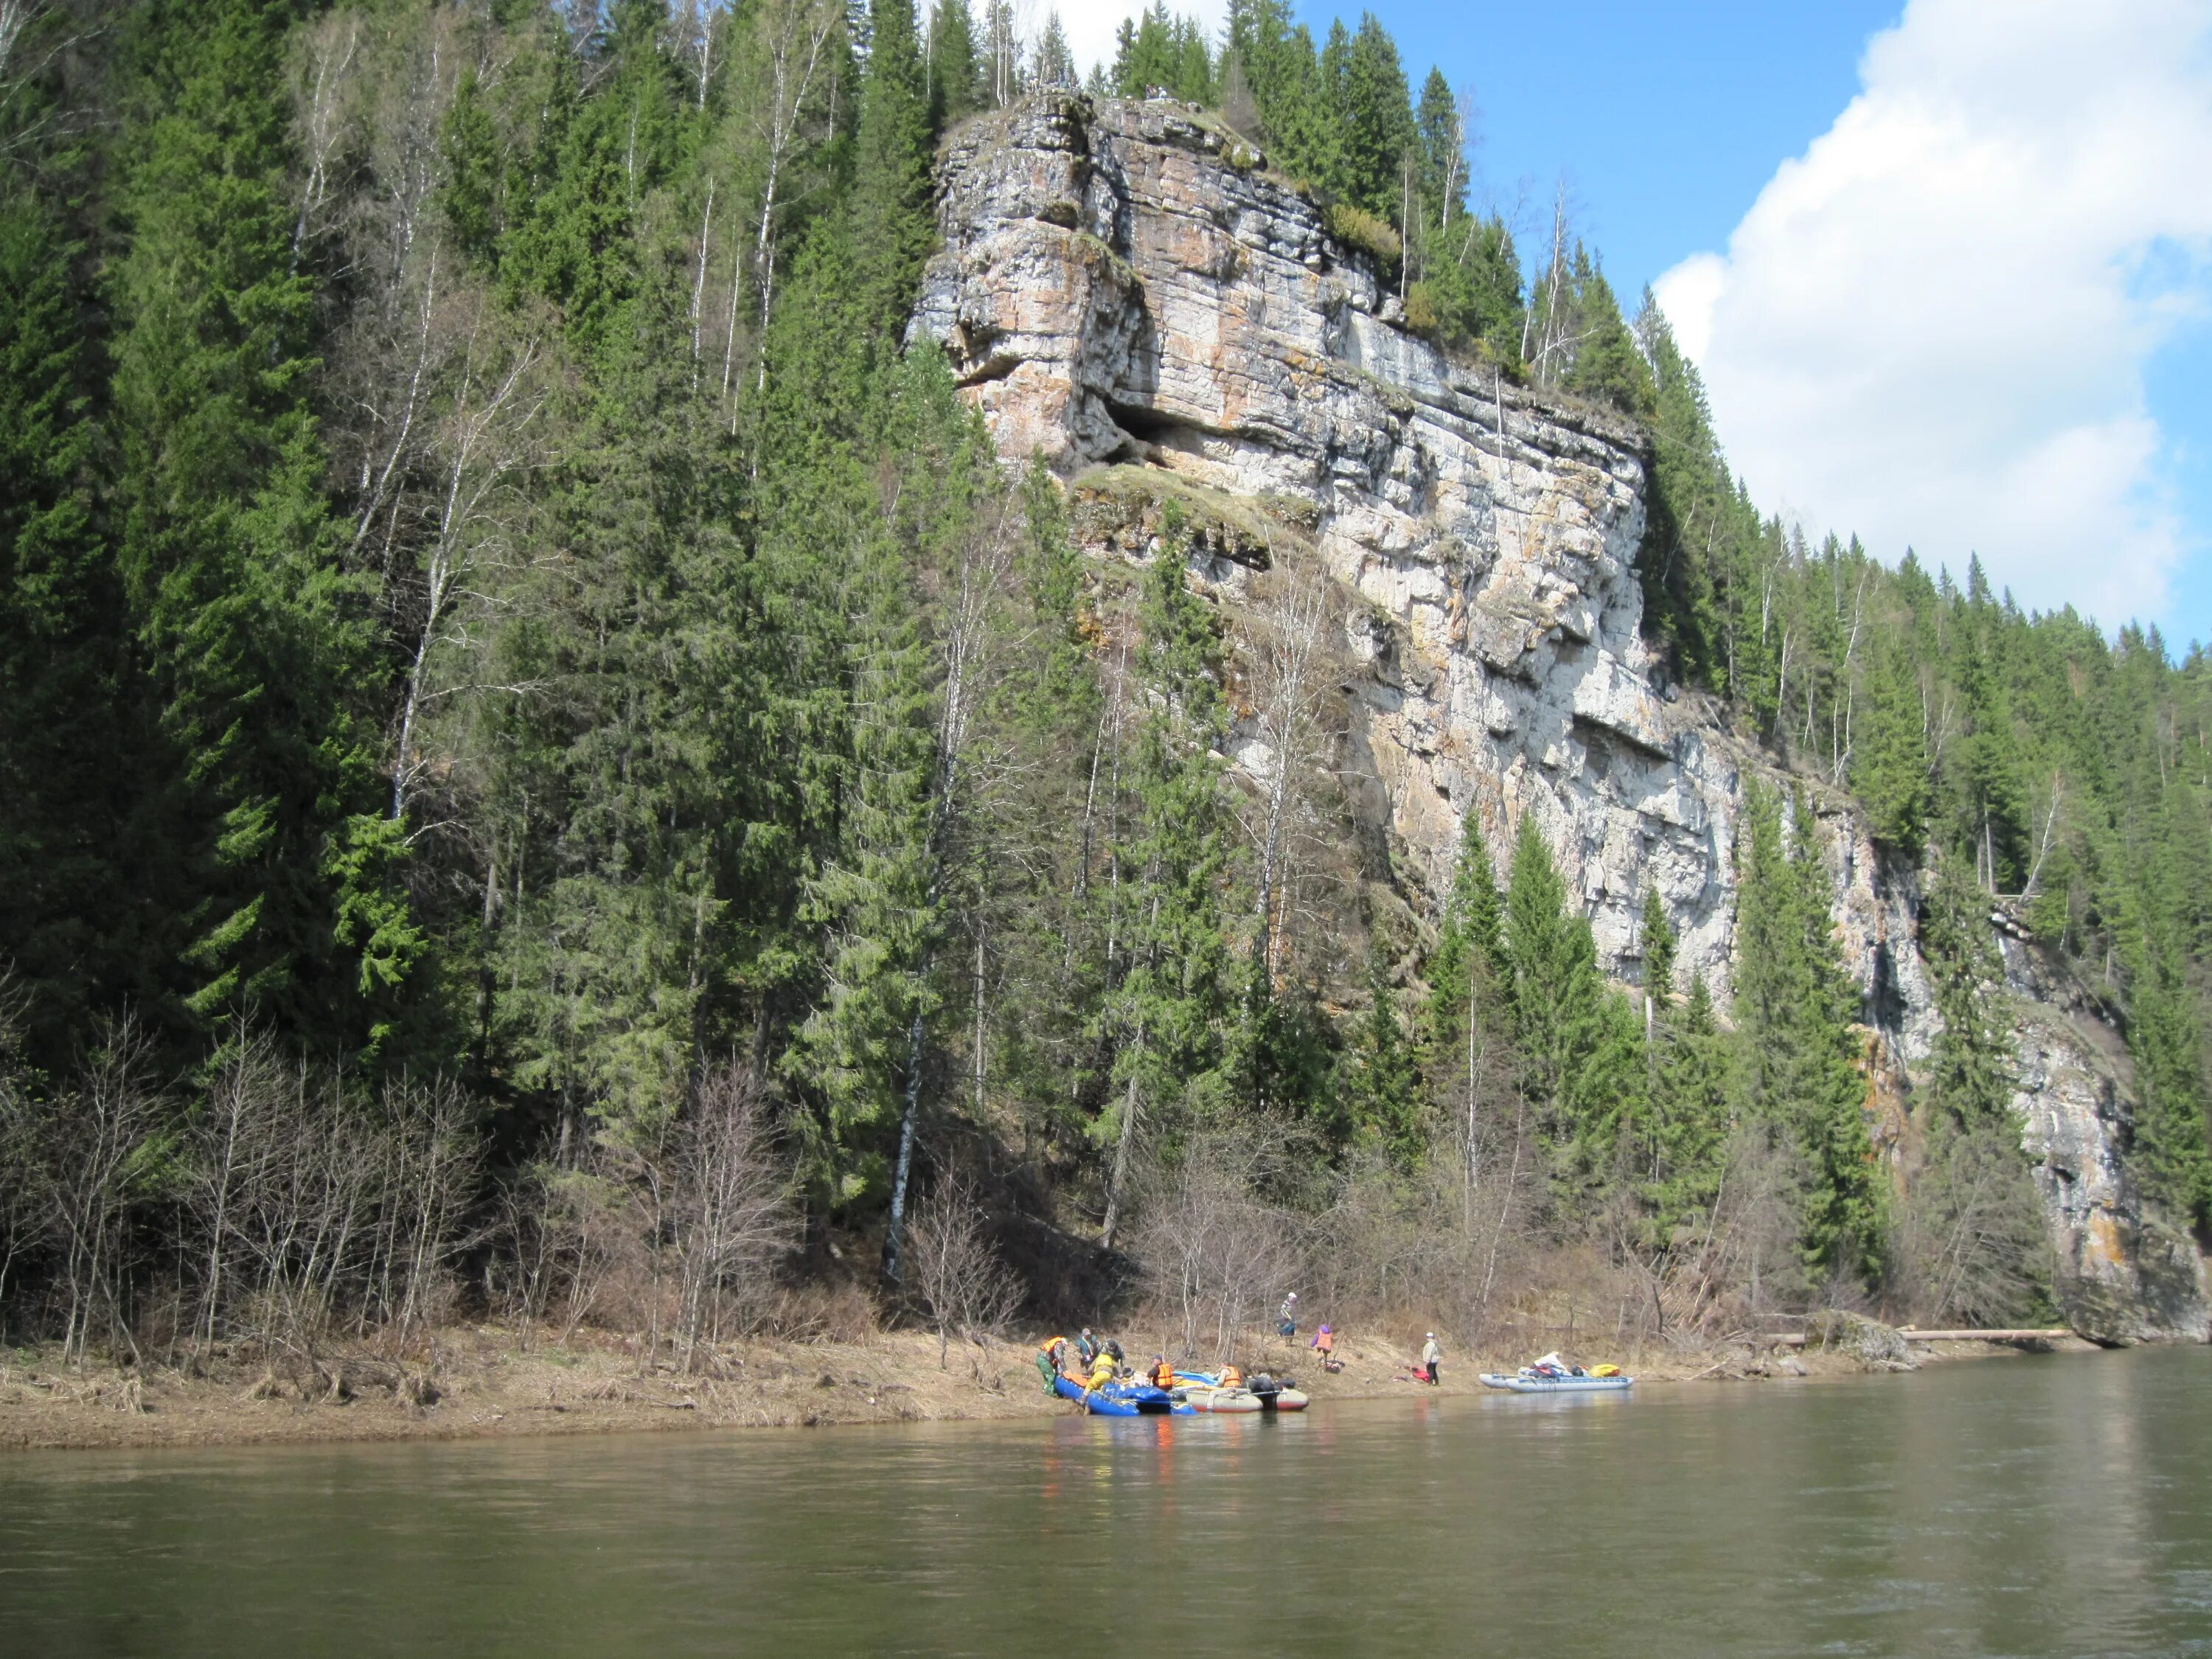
<point x="1324" y="1344"/>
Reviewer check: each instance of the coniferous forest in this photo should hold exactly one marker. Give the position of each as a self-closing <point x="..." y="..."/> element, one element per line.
<point x="547" y="770"/>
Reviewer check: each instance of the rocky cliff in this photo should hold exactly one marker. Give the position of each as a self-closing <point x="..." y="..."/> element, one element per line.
<point x="1127" y="290"/>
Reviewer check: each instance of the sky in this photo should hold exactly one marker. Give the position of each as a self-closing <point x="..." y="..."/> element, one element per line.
<point x="1945" y="264"/>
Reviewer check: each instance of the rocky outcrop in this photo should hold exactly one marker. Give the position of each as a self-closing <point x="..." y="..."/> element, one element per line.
<point x="1125" y="289"/>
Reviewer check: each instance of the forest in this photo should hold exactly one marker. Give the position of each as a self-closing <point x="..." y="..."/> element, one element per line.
<point x="547" y="771"/>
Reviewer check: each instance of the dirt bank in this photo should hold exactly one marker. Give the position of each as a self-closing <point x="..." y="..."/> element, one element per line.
<point x="481" y="1382"/>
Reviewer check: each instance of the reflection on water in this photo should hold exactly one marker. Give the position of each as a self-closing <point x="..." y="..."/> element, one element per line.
<point x="2056" y="1506"/>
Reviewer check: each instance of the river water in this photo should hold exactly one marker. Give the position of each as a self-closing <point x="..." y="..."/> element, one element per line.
<point x="2060" y="1504"/>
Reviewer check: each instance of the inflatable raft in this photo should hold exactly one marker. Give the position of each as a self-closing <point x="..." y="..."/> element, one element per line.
<point x="1527" y="1384"/>
<point x="1264" y="1393"/>
<point x="1202" y="1397"/>
<point x="1121" y="1399"/>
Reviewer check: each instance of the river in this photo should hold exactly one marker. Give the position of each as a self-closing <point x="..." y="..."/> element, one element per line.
<point x="2059" y="1504"/>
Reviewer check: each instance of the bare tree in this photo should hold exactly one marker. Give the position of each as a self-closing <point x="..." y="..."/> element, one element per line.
<point x="1287" y="641"/>
<point x="25" y="1213"/>
<point x="96" y="1157"/>
<point x="729" y="1202"/>
<point x="34" y="35"/>
<point x="953" y="1268"/>
<point x="1210" y="1244"/>
<point x="479" y="443"/>
<point x="1973" y="1244"/>
<point x="433" y="1159"/>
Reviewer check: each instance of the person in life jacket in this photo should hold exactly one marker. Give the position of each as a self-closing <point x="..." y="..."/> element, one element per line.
<point x="1324" y="1344"/>
<point x="1047" y="1361"/>
<point x="1231" y="1377"/>
<point x="1102" y="1373"/>
<point x="1086" y="1347"/>
<point x="1162" y="1373"/>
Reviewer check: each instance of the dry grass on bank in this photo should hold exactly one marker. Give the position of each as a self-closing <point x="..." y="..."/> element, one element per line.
<point x="483" y="1381"/>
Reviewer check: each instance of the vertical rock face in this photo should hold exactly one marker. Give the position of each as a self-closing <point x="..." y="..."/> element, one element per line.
<point x="1125" y="290"/>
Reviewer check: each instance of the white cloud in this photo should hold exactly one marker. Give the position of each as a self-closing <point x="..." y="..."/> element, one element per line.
<point x="1090" y="26"/>
<point x="1931" y="329"/>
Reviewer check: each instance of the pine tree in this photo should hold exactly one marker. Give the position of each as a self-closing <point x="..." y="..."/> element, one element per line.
<point x="1469" y="966"/>
<point x="1970" y="1072"/>
<point x="230" y="562"/>
<point x="1375" y="112"/>
<point x="1607" y="367"/>
<point x="74" y="718"/>
<point x="1382" y="1082"/>
<point x="1795" y="1008"/>
<point x="1655" y="937"/>
<point x="1577" y="1039"/>
<point x="1440" y="141"/>
<point x="1171" y="1007"/>
<point x="1682" y="1130"/>
<point x="954" y="69"/>
<point x="890" y="221"/>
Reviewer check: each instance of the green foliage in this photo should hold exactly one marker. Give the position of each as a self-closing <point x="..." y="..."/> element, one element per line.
<point x="1382" y="1085"/>
<point x="1159" y="50"/>
<point x="1174" y="999"/>
<point x="1469" y="967"/>
<point x="1970" y="1073"/>
<point x="73" y="713"/>
<point x="250" y="625"/>
<point x="1678" y="1143"/>
<point x="1796" y="1010"/>
<point x="1655" y="939"/>
<point x="484" y="586"/>
<point x="1577" y="1039"/>
<point x="956" y="76"/>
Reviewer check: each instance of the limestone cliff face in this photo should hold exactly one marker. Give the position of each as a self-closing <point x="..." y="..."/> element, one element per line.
<point x="1124" y="290"/>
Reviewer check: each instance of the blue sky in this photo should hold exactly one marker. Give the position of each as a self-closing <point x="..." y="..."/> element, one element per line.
<point x="2010" y="354"/>
<point x="1666" y="119"/>
<point x="1671" y="120"/>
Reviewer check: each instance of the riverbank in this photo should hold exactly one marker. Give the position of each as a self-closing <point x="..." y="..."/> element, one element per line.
<point x="489" y="1382"/>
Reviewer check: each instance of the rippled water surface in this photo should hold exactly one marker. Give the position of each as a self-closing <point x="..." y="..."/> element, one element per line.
<point x="2041" y="1506"/>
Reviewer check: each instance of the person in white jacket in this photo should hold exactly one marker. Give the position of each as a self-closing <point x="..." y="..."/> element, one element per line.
<point x="1430" y="1355"/>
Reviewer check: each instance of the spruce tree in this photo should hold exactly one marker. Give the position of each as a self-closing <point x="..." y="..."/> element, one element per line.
<point x="1382" y="1081"/>
<point x="1577" y="1040"/>
<point x="252" y="629"/>
<point x="76" y="739"/>
<point x="1170" y="1009"/>
<point x="890" y="214"/>
<point x="1655" y="939"/>
<point x="1377" y="116"/>
<point x="955" y="70"/>
<point x="1469" y="965"/>
<point x="1796" y="1009"/>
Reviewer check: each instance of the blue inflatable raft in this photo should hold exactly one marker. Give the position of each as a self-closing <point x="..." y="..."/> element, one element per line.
<point x="1121" y="1399"/>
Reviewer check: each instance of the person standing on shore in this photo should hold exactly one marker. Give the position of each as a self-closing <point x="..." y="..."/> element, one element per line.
<point x="1431" y="1356"/>
<point x="1286" y="1316"/>
<point x="1324" y="1344"/>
